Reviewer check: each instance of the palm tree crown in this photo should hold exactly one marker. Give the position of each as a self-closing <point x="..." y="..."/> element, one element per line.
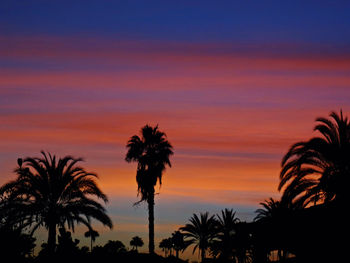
<point x="201" y="231"/>
<point x="151" y="152"/>
<point x="136" y="241"/>
<point x="51" y="193"/>
<point x="318" y="170"/>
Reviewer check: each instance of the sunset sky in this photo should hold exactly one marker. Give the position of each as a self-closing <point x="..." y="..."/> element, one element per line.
<point x="232" y="83"/>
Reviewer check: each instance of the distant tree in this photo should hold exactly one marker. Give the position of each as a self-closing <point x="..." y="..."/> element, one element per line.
<point x="178" y="242"/>
<point x="166" y="245"/>
<point x="201" y="231"/>
<point x="317" y="170"/>
<point x="224" y="244"/>
<point x="92" y="234"/>
<point x="66" y="246"/>
<point x="135" y="242"/>
<point x="53" y="192"/>
<point x="151" y="151"/>
<point x="113" y="247"/>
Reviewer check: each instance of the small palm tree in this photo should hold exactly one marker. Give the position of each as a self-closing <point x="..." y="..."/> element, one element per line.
<point x="135" y="242"/>
<point x="178" y="242"/>
<point x="201" y="231"/>
<point x="92" y="234"/>
<point x="271" y="209"/>
<point x="53" y="193"/>
<point x="151" y="152"/>
<point x="318" y="170"/>
<point x="166" y="245"/>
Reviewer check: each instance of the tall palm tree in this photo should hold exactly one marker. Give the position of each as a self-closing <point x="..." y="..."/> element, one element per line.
<point x="51" y="193"/>
<point x="151" y="151"/>
<point x="201" y="231"/>
<point x="92" y="234"/>
<point x="318" y="170"/>
<point x="226" y="234"/>
<point x="136" y="241"/>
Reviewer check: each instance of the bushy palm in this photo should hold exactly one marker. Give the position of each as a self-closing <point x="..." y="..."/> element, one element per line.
<point x="201" y="231"/>
<point x="51" y="193"/>
<point x="151" y="151"/>
<point x="318" y="170"/>
<point x="166" y="245"/>
<point x="136" y="241"/>
<point x="178" y="242"/>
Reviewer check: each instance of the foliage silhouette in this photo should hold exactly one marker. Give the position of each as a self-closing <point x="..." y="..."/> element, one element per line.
<point x="178" y="242"/>
<point x="317" y="170"/>
<point x="15" y="245"/>
<point x="201" y="231"/>
<point x="92" y="234"/>
<point x="50" y="192"/>
<point x="135" y="242"/>
<point x="151" y="152"/>
<point x="223" y="246"/>
<point x="166" y="245"/>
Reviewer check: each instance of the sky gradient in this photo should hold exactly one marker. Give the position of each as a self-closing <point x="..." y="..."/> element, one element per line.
<point x="232" y="84"/>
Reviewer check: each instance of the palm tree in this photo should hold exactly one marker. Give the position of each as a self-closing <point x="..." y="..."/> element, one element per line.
<point x="275" y="212"/>
<point x="178" y="242"/>
<point x="92" y="234"/>
<point x="151" y="152"/>
<point x="201" y="231"/>
<point x="166" y="245"/>
<point x="318" y="170"/>
<point x="136" y="241"/>
<point x="51" y="193"/>
<point x="226" y="234"/>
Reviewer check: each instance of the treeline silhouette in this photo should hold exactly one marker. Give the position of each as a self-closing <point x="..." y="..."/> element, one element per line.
<point x="307" y="224"/>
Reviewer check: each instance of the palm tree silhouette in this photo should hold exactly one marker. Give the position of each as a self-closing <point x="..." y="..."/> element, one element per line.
<point x="151" y="152"/>
<point x="135" y="242"/>
<point x="276" y="213"/>
<point x="178" y="242"/>
<point x="318" y="170"/>
<point x="166" y="245"/>
<point x="201" y="231"/>
<point x="92" y="234"/>
<point x="52" y="193"/>
<point x="226" y="234"/>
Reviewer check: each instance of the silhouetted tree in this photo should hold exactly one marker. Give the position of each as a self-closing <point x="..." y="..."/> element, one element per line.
<point x="166" y="245"/>
<point x="224" y="244"/>
<point x="113" y="247"/>
<point x="15" y="245"/>
<point x="135" y="242"/>
<point x="275" y="212"/>
<point x="151" y="152"/>
<point x="92" y="234"/>
<point x="53" y="192"/>
<point x="243" y="243"/>
<point x="318" y="170"/>
<point x="201" y="231"/>
<point x="66" y="246"/>
<point x="178" y="242"/>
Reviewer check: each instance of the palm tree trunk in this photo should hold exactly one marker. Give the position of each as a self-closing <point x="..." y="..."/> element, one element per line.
<point x="203" y="254"/>
<point x="91" y="244"/>
<point x="150" y="202"/>
<point x="51" y="240"/>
